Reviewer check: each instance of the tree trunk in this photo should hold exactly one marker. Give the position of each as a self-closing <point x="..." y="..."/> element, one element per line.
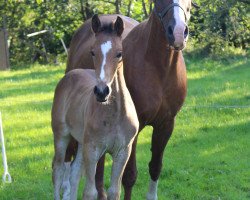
<point x="82" y="11"/>
<point x="129" y="8"/>
<point x="144" y="9"/>
<point x="88" y="10"/>
<point x="117" y="6"/>
<point x="150" y="7"/>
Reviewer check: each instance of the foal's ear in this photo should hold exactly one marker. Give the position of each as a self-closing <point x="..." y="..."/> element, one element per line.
<point x="119" y="26"/>
<point x="96" y="23"/>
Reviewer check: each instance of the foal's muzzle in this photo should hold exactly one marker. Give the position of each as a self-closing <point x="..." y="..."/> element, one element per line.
<point x="102" y="93"/>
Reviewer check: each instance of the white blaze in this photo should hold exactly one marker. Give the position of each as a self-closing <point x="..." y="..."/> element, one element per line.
<point x="105" y="47"/>
<point x="178" y="14"/>
<point x="180" y="25"/>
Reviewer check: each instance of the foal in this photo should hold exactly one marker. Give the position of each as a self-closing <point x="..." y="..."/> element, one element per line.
<point x="96" y="109"/>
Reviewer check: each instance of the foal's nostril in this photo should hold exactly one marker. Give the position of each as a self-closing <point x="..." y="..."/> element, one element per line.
<point x="186" y="32"/>
<point x="106" y="91"/>
<point x="95" y="90"/>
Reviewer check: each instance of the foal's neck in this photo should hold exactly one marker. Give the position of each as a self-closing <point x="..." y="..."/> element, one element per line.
<point x="119" y="89"/>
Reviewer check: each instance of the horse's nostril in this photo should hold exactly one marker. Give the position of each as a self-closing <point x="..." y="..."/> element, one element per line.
<point x="170" y="31"/>
<point x="186" y="32"/>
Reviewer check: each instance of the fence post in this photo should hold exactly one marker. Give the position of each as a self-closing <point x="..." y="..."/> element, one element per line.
<point x="4" y="48"/>
<point x="6" y="175"/>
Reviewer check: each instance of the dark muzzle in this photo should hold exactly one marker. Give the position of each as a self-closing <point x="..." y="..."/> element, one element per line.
<point x="101" y="93"/>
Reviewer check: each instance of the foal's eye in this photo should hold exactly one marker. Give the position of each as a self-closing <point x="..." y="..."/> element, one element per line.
<point x="92" y="53"/>
<point x="119" y="55"/>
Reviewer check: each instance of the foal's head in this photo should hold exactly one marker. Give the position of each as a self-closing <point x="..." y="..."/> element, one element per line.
<point x="174" y="15"/>
<point x="107" y="54"/>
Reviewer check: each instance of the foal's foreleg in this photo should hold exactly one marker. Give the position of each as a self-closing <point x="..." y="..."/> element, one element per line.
<point x="160" y="137"/>
<point x="76" y="172"/>
<point x="119" y="163"/>
<point x="60" y="143"/>
<point x="91" y="156"/>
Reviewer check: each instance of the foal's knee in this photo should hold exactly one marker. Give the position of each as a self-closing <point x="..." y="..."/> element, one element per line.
<point x="90" y="194"/>
<point x="113" y="194"/>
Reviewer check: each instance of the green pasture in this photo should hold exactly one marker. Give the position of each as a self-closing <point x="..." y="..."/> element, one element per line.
<point x="208" y="156"/>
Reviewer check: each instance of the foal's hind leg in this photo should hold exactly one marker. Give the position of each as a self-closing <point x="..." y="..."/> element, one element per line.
<point x="119" y="163"/>
<point x="60" y="143"/>
<point x="76" y="172"/>
<point x="160" y="137"/>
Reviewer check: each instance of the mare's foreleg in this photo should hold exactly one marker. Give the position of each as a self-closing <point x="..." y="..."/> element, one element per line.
<point x="160" y="137"/>
<point x="119" y="163"/>
<point x="76" y="172"/>
<point x="61" y="141"/>
<point x="130" y="173"/>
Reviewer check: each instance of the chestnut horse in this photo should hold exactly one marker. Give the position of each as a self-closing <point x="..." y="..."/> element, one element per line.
<point x="155" y="75"/>
<point x="84" y="109"/>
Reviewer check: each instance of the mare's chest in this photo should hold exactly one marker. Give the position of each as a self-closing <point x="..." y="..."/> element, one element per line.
<point x="156" y="92"/>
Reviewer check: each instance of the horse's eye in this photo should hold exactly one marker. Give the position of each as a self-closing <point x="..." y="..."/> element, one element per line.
<point x="119" y="55"/>
<point x="92" y="53"/>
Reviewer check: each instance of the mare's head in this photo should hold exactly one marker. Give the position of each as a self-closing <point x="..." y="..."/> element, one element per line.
<point x="107" y="54"/>
<point x="174" y="16"/>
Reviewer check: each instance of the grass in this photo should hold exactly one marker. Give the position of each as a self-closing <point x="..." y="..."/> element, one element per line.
<point x="208" y="156"/>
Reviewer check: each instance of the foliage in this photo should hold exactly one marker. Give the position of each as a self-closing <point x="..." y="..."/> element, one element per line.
<point x="207" y="156"/>
<point x="217" y="25"/>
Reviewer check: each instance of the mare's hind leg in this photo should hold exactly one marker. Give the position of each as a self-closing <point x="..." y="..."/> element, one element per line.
<point x="61" y="141"/>
<point x="99" y="179"/>
<point x="130" y="173"/>
<point x="76" y="172"/>
<point x="160" y="137"/>
<point x="119" y="163"/>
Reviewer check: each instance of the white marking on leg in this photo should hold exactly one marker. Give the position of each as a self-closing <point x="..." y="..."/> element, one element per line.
<point x="105" y="47"/>
<point x="66" y="183"/>
<point x="76" y="172"/>
<point x="152" y="191"/>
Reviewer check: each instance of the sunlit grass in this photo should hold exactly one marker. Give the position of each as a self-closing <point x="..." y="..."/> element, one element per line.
<point x="207" y="156"/>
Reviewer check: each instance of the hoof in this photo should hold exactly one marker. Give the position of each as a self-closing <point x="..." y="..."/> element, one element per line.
<point x="151" y="197"/>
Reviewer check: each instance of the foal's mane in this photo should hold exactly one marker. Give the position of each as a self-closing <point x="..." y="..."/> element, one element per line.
<point x="107" y="28"/>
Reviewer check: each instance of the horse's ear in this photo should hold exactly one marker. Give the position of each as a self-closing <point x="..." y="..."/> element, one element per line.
<point x="195" y="5"/>
<point x="119" y="26"/>
<point x="96" y="23"/>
